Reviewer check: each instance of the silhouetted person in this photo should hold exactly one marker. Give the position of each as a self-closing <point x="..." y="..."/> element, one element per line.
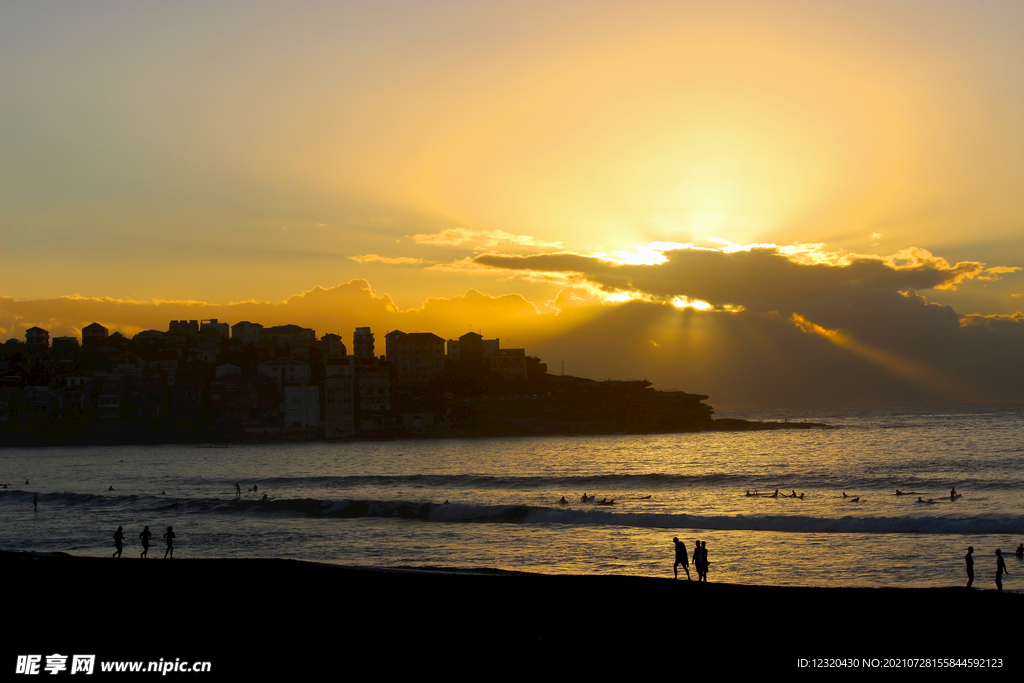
<point x="145" y="536"/>
<point x="563" y="501"/>
<point x="170" y="542"/>
<point x="238" y="491"/>
<point x="254" y="488"/>
<point x="266" y="498"/>
<point x="681" y="559"/>
<point x="969" y="559"/>
<point x="1020" y="551"/>
<point x="953" y="494"/>
<point x="110" y="488"/>
<point x="583" y="498"/>
<point x="1000" y="570"/>
<point x="702" y="568"/>
<point x="697" y="560"/>
<point x="118" y="542"/>
<point x="35" y="501"/>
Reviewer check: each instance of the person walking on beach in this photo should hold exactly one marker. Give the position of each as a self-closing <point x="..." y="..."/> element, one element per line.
<point x="704" y="561"/>
<point x="969" y="559"/>
<point x="118" y="542"/>
<point x="170" y="542"/>
<point x="1000" y="570"/>
<point x="698" y="561"/>
<point x="145" y="536"/>
<point x="681" y="559"/>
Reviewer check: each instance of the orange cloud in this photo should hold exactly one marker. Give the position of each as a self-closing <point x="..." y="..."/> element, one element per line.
<point x="399" y="261"/>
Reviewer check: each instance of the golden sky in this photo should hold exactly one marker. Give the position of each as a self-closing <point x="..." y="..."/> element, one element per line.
<point x="769" y="202"/>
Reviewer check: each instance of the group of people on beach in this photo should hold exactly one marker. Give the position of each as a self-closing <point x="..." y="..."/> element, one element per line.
<point x="145" y="535"/>
<point x="1000" y="565"/>
<point x="700" y="559"/>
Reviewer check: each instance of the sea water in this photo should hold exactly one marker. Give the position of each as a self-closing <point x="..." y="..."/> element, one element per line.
<point x="494" y="502"/>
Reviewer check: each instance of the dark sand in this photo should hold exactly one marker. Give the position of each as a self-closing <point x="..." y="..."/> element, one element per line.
<point x="276" y="616"/>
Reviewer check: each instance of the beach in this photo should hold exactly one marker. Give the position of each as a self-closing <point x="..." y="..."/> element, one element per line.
<point x="305" y="617"/>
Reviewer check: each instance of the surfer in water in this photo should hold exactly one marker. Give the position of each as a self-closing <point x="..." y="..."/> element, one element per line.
<point x="145" y="536"/>
<point x="1020" y="551"/>
<point x="118" y="542"/>
<point x="238" y="491"/>
<point x="169" y="536"/>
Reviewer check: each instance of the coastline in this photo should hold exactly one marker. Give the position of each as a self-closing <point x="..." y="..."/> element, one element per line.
<point x="243" y="614"/>
<point x="205" y="440"/>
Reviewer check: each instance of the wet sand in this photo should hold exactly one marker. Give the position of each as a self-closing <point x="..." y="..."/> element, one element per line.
<point x="262" y="615"/>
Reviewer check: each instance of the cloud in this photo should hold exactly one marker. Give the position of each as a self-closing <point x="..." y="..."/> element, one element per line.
<point x="753" y="276"/>
<point x="399" y="261"/>
<point x="481" y="239"/>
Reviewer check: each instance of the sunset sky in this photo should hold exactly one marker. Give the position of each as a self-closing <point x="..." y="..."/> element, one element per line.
<point x="774" y="203"/>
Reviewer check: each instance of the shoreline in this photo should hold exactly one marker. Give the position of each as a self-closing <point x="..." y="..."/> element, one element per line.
<point x="37" y="440"/>
<point x="244" y="613"/>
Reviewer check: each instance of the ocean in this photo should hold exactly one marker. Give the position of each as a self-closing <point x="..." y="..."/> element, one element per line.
<point x="493" y="503"/>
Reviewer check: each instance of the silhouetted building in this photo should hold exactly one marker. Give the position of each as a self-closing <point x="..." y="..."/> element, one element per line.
<point x="94" y="336"/>
<point x="331" y="346"/>
<point x="247" y="332"/>
<point x="286" y="371"/>
<point x="37" y="337"/>
<point x="189" y="328"/>
<point x="417" y="357"/>
<point x="220" y="328"/>
<point x="362" y="343"/>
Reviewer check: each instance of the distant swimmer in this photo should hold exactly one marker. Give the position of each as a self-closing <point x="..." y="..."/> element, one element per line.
<point x="584" y="499"/>
<point x="118" y="542"/>
<point x="1020" y="551"/>
<point x="605" y="501"/>
<point x="145" y="536"/>
<point x="563" y="501"/>
<point x="169" y="537"/>
<point x="969" y="559"/>
<point x="265" y="497"/>
<point x="681" y="559"/>
<point x="952" y="494"/>
<point x="749" y="494"/>
<point x="254" y="488"/>
<point x="110" y="488"/>
<point x="1000" y="570"/>
<point x="774" y="495"/>
<point x="855" y="499"/>
<point x="446" y="502"/>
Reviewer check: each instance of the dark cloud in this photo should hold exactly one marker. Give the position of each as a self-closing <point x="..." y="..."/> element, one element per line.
<point x="760" y="279"/>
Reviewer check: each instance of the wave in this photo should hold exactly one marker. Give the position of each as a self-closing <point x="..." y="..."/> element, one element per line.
<point x="528" y="514"/>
